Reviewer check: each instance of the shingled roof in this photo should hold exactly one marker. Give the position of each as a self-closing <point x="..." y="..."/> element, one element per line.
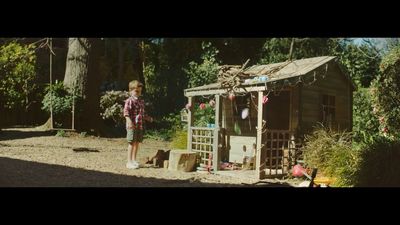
<point x="284" y="70"/>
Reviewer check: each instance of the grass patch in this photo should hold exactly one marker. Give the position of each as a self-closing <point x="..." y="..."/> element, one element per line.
<point x="161" y="135"/>
<point x="179" y="140"/>
<point x="61" y="133"/>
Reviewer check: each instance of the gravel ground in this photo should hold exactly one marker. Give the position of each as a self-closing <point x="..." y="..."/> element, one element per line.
<point x="34" y="158"/>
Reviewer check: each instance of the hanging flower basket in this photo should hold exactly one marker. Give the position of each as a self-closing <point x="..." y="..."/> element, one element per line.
<point x="184" y="115"/>
<point x="212" y="103"/>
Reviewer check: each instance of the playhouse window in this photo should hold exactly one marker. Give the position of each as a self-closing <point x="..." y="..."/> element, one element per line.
<point x="328" y="109"/>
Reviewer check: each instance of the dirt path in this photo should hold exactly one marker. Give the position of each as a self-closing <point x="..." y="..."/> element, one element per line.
<point x="29" y="157"/>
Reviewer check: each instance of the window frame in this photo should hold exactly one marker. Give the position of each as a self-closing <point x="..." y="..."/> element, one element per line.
<point x="328" y="109"/>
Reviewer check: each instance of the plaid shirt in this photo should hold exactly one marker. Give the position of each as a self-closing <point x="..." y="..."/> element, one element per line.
<point x="134" y="109"/>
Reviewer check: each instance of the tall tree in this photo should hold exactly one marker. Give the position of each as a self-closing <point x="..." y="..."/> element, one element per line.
<point x="81" y="78"/>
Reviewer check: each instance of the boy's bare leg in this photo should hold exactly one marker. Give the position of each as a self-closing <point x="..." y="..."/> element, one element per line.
<point x="130" y="147"/>
<point x="135" y="151"/>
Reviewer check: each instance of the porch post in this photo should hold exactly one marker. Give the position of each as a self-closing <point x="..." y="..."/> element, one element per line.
<point x="260" y="163"/>
<point x="190" y="122"/>
<point x="216" y="153"/>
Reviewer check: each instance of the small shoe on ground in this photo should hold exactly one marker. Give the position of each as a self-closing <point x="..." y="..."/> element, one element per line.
<point x="136" y="163"/>
<point x="132" y="165"/>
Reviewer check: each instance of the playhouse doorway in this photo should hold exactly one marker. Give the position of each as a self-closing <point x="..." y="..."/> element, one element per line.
<point x="277" y="114"/>
<point x="277" y="111"/>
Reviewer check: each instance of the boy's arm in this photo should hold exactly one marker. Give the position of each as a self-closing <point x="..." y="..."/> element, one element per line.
<point x="129" y="123"/>
<point x="127" y="107"/>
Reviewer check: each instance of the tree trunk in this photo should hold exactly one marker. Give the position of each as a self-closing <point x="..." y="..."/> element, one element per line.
<point x="82" y="78"/>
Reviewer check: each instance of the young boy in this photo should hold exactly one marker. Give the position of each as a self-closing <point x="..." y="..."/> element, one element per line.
<point x="135" y="116"/>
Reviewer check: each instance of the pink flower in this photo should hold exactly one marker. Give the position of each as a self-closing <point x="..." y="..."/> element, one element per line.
<point x="188" y="106"/>
<point x="202" y="106"/>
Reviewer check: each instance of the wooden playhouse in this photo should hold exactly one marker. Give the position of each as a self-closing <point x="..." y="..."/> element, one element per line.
<point x="266" y="115"/>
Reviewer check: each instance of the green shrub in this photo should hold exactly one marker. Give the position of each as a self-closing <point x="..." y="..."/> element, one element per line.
<point x="331" y="152"/>
<point x="365" y="122"/>
<point x="17" y="74"/>
<point x="179" y="140"/>
<point x="168" y="128"/>
<point x="112" y="106"/>
<point x="59" y="97"/>
<point x="160" y="134"/>
<point x="386" y="94"/>
<point x="205" y="72"/>
<point x="172" y="122"/>
<point x="379" y="164"/>
<point x="374" y="163"/>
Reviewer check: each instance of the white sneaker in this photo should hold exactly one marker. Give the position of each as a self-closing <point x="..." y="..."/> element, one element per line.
<point x="132" y="165"/>
<point x="136" y="163"/>
<point x="128" y="165"/>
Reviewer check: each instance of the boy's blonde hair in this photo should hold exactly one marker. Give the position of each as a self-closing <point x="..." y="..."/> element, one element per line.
<point x="134" y="84"/>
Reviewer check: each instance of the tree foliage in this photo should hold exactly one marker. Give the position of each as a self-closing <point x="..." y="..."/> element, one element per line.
<point x="17" y="74"/>
<point x="387" y="93"/>
<point x="361" y="62"/>
<point x="164" y="63"/>
<point x="205" y="72"/>
<point x="365" y="122"/>
<point x="278" y="49"/>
